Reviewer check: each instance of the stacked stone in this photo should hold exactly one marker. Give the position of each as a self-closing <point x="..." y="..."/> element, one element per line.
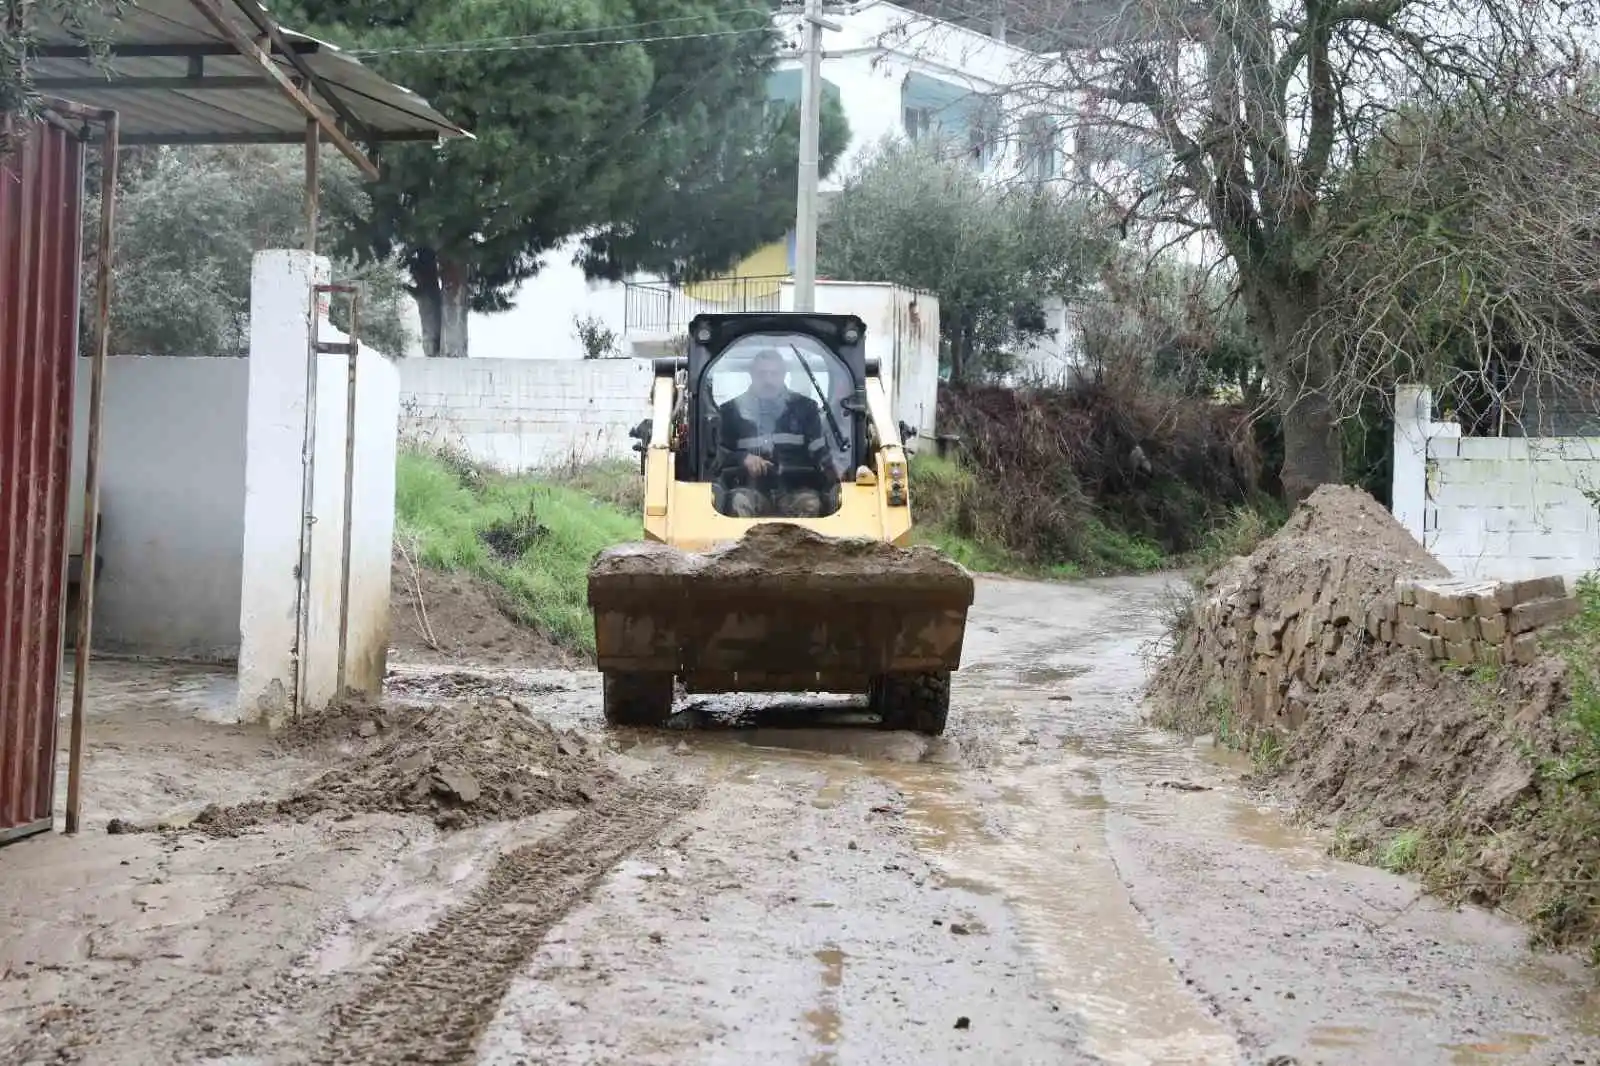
<point x="1268" y="659"/>
<point x="1492" y="623"/>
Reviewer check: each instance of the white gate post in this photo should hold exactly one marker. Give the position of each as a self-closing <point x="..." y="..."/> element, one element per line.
<point x="282" y="313"/>
<point x="1413" y="425"/>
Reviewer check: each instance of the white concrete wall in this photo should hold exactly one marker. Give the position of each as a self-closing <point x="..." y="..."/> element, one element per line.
<point x="1496" y="507"/>
<point x="377" y="419"/>
<point x="172" y="504"/>
<point x="377" y="423"/>
<point x="902" y="334"/>
<point x="1052" y="360"/>
<point x="280" y="331"/>
<point x="540" y="324"/>
<point x="519" y="414"/>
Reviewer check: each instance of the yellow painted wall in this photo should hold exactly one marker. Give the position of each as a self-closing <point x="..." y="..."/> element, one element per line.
<point x="765" y="268"/>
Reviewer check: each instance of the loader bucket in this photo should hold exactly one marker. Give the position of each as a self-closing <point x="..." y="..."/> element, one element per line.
<point x="784" y="609"/>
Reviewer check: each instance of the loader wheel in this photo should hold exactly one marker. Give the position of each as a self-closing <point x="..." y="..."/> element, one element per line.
<point x="642" y="700"/>
<point x="918" y="702"/>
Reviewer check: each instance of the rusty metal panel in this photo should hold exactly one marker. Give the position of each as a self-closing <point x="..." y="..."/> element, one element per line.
<point x="41" y="209"/>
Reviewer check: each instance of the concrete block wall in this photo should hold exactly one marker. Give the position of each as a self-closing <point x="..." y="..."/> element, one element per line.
<point x="1495" y="507"/>
<point x="1491" y="623"/>
<point x="523" y="414"/>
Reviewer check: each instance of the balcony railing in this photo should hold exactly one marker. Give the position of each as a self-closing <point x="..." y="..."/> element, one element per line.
<point x="660" y="309"/>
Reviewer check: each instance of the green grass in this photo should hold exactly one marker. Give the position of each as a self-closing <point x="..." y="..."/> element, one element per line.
<point x="1403" y="853"/>
<point x="1240" y="534"/>
<point x="944" y="516"/>
<point x="1563" y="896"/>
<point x="533" y="539"/>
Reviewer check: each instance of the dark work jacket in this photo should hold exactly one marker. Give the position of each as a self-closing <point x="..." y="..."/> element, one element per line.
<point x="797" y="444"/>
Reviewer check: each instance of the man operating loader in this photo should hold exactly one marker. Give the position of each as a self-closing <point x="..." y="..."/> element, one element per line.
<point x="774" y="458"/>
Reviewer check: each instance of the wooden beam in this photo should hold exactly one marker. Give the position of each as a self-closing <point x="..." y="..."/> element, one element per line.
<point x="158" y="51"/>
<point x="270" y="29"/>
<point x="308" y="107"/>
<point x="269" y="137"/>
<point x="115" y="84"/>
<point x="313" y="184"/>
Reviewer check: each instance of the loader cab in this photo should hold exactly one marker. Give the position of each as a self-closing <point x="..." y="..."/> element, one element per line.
<point x="823" y="362"/>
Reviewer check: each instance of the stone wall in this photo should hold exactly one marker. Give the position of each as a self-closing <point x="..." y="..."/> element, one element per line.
<point x="1269" y="659"/>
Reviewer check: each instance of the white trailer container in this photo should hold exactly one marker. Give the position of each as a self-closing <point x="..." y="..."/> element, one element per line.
<point x="902" y="334"/>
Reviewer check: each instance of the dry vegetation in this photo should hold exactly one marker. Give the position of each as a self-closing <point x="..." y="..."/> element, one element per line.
<point x="1092" y="477"/>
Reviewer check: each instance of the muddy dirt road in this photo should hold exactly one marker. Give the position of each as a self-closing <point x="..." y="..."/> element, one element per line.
<point x="1050" y="883"/>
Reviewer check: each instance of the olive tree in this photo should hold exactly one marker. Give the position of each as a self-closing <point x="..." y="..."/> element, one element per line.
<point x="992" y="254"/>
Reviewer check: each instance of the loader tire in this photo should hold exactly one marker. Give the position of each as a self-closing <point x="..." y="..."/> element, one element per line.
<point x="640" y="700"/>
<point x="918" y="702"/>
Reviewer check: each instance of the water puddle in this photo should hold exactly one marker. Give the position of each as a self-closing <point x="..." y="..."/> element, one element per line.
<point x="1091" y="946"/>
<point x="823" y="1020"/>
<point x="1494" y="1050"/>
<point x="1044" y="676"/>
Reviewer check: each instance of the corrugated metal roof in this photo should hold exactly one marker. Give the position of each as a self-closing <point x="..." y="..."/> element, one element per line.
<point x="209" y="93"/>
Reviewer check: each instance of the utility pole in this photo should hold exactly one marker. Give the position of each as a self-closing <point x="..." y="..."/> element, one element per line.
<point x="805" y="221"/>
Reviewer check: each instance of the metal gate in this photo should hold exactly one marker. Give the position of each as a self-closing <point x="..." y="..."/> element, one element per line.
<point x="41" y="205"/>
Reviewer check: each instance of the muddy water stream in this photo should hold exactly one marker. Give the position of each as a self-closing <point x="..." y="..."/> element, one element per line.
<point x="1166" y="913"/>
<point x="1051" y="882"/>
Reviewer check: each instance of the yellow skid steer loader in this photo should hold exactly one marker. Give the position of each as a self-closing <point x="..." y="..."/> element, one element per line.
<point x="777" y="518"/>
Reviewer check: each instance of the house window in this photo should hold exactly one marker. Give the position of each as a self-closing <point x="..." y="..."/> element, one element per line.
<point x="1040" y="160"/>
<point x="918" y="123"/>
<point x="983" y="131"/>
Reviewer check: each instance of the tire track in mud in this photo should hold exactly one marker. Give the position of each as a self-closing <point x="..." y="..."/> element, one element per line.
<point x="434" y="994"/>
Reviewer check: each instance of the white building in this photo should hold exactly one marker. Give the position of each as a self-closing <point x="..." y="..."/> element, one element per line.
<point x="896" y="73"/>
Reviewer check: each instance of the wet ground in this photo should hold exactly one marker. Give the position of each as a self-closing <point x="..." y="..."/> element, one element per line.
<point x="1049" y="883"/>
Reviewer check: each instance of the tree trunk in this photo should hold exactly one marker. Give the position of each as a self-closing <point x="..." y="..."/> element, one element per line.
<point x="953" y="339"/>
<point x="453" y="309"/>
<point x="430" y="301"/>
<point x="1313" y="448"/>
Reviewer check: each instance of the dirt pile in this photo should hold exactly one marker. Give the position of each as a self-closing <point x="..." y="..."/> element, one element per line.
<point x="445" y="617"/>
<point x="461" y="764"/>
<point x="1436" y="723"/>
<point x="779" y="558"/>
<point x="1267" y="628"/>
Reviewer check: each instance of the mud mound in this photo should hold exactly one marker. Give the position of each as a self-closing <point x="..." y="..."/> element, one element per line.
<point x="780" y="556"/>
<point x="435" y="686"/>
<point x="1335" y="522"/>
<point x="1399" y="742"/>
<point x="1269" y="626"/>
<point x="461" y="764"/>
<point x="456" y="617"/>
<point x="1434" y="722"/>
